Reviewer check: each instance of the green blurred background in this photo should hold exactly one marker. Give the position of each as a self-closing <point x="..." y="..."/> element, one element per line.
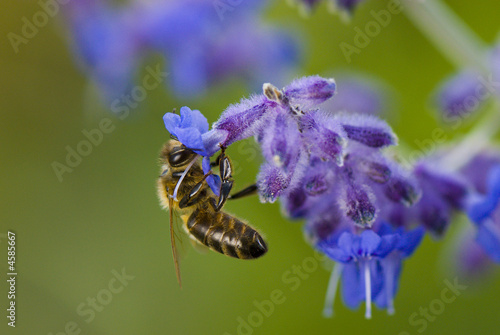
<point x="104" y="215"/>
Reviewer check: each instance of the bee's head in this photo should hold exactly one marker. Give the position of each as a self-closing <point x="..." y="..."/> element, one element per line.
<point x="176" y="154"/>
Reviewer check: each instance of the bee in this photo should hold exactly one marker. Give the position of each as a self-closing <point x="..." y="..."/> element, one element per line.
<point x="182" y="187"/>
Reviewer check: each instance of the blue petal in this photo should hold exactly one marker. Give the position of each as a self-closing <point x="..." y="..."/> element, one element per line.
<point x="410" y="240"/>
<point x="213" y="180"/>
<point x="337" y="254"/>
<point x="199" y="121"/>
<point x="186" y="117"/>
<point x="191" y="138"/>
<point x="212" y="140"/>
<point x="369" y="242"/>
<point x="353" y="291"/>
<point x="193" y="118"/>
<point x="481" y="208"/>
<point x="346" y="242"/>
<point x="490" y="241"/>
<point x="387" y="245"/>
<point x="494" y="183"/>
<point x="171" y="121"/>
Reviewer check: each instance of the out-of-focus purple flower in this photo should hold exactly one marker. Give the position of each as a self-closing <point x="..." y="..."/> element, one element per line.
<point x="357" y="95"/>
<point x="472" y="261"/>
<point x="442" y="193"/>
<point x="202" y="45"/>
<point x="484" y="211"/>
<point x="467" y="91"/>
<point x="460" y="95"/>
<point x="105" y="43"/>
<point x="481" y="207"/>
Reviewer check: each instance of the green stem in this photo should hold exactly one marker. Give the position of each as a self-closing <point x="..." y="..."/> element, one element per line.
<point x="448" y="33"/>
<point x="465" y="49"/>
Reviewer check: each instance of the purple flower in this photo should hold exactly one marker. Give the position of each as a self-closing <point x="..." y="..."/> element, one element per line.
<point x="105" y="44"/>
<point x="294" y="131"/>
<point x="484" y="211"/>
<point x="202" y="44"/>
<point x="472" y="261"/>
<point x="460" y="95"/>
<point x="329" y="168"/>
<point x="358" y="95"/>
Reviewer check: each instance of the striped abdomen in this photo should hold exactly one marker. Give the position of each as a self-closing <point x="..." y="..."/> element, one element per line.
<point x="226" y="234"/>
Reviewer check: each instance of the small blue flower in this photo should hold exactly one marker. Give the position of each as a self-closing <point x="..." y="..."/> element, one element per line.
<point x="353" y="248"/>
<point x="362" y="277"/>
<point x="188" y="128"/>
<point x="408" y="241"/>
<point x="191" y="129"/>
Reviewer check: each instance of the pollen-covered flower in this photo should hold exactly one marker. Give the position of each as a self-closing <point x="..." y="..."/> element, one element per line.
<point x="466" y="91"/>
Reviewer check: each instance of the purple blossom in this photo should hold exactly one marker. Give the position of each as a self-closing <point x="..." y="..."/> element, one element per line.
<point x="328" y="167"/>
<point x="472" y="261"/>
<point x="358" y="95"/>
<point x="484" y="211"/>
<point x="105" y="44"/>
<point x="460" y="95"/>
<point x="202" y="45"/>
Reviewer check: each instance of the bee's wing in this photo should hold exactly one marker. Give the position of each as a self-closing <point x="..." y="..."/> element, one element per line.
<point x="201" y="248"/>
<point x="172" y="240"/>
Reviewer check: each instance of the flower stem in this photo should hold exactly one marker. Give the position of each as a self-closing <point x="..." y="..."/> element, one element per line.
<point x="465" y="49"/>
<point x="448" y="33"/>
<point x="477" y="140"/>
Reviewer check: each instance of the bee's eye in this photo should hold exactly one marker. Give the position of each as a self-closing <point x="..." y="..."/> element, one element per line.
<point x="180" y="157"/>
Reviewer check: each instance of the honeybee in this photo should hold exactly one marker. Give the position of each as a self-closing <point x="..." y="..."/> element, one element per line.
<point x="182" y="187"/>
